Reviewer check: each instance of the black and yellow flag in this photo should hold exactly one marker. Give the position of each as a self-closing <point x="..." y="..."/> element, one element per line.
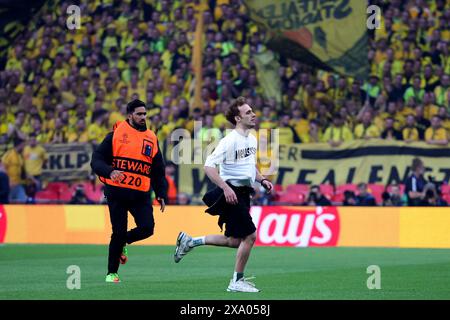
<point x="328" y="34"/>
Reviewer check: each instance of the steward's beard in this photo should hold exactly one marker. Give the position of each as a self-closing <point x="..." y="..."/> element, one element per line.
<point x="140" y="127"/>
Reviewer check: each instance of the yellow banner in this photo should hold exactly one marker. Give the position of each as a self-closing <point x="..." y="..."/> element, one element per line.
<point x="374" y="161"/>
<point x="67" y="161"/>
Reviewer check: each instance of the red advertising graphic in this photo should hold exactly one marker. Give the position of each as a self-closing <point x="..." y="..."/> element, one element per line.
<point x="289" y="227"/>
<point x="2" y="224"/>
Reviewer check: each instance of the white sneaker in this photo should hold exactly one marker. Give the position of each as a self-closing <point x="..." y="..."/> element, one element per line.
<point x="242" y="285"/>
<point x="183" y="246"/>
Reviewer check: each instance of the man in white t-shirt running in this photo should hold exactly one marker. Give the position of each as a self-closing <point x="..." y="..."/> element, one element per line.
<point x="236" y="157"/>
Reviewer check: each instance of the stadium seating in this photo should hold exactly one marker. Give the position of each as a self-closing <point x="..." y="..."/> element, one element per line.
<point x="339" y="194"/>
<point x="445" y="192"/>
<point x="298" y="188"/>
<point x="377" y="191"/>
<point x="58" y="187"/>
<point x="287" y="198"/>
<point x="62" y="190"/>
<point x="327" y="190"/>
<point x="46" y="196"/>
<point x="278" y="188"/>
<point x="93" y="192"/>
<point x="66" y="194"/>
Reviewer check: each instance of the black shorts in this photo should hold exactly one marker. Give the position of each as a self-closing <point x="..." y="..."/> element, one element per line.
<point x="238" y="222"/>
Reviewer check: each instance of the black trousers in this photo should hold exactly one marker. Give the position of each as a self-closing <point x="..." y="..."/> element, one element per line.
<point x="142" y="212"/>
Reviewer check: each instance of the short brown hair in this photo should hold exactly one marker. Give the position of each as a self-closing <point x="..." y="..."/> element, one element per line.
<point x="233" y="109"/>
<point x="416" y="163"/>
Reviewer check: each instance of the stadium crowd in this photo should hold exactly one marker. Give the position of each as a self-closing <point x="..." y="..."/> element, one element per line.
<point x="62" y="86"/>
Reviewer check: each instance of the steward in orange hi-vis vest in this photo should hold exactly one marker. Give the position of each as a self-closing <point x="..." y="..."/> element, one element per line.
<point x="132" y="156"/>
<point x="130" y="164"/>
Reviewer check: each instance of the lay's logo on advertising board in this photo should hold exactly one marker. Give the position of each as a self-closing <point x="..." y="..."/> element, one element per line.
<point x="283" y="226"/>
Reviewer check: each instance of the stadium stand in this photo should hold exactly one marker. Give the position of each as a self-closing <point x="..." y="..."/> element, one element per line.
<point x="73" y="85"/>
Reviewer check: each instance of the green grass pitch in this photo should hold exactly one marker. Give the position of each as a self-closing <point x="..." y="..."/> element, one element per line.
<point x="39" y="272"/>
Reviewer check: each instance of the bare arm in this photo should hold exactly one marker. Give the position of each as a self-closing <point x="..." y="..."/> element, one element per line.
<point x="266" y="183"/>
<point x="259" y="176"/>
<point x="213" y="175"/>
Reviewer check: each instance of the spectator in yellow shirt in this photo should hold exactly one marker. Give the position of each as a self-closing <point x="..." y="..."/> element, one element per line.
<point x="299" y="121"/>
<point x="287" y="134"/>
<point x="197" y="115"/>
<point x="165" y="125"/>
<point x="429" y="79"/>
<point x="410" y="132"/>
<point x="314" y="134"/>
<point x="115" y="60"/>
<point x="366" y="129"/>
<point x="123" y="93"/>
<point x="5" y="118"/>
<point x="34" y="156"/>
<point x="442" y="91"/>
<point x="160" y="92"/>
<point x="136" y="86"/>
<point x="208" y="134"/>
<point x="430" y="108"/>
<point x="80" y="134"/>
<point x="267" y="120"/>
<point x="96" y="130"/>
<point x="436" y="134"/>
<point x="176" y="117"/>
<point x="415" y="92"/>
<point x="309" y="96"/>
<point x="110" y="93"/>
<point x="15" y="130"/>
<point x="338" y="132"/>
<point x="205" y="96"/>
<point x="110" y="40"/>
<point x="390" y="132"/>
<point x="59" y="134"/>
<point x="220" y="121"/>
<point x="391" y="112"/>
<point x="443" y="114"/>
<point x="341" y="92"/>
<point x="13" y="162"/>
<point x="36" y="125"/>
<point x="119" y="113"/>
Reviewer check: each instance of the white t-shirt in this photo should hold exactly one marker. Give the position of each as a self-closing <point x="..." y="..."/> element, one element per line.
<point x="236" y="156"/>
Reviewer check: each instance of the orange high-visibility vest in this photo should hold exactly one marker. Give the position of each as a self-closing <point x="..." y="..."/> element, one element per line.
<point x="133" y="153"/>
